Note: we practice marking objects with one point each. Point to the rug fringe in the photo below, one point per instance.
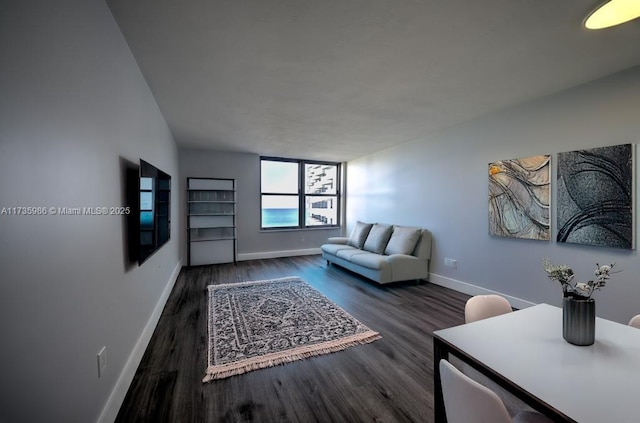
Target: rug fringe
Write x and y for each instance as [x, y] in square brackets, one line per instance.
[274, 359]
[252, 283]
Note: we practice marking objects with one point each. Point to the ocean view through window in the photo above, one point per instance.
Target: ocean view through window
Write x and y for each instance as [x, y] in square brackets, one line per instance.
[273, 218]
[299, 193]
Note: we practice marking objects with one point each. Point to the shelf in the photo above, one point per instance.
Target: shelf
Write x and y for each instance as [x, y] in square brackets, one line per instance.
[212, 239]
[223, 232]
[211, 226]
[211, 208]
[210, 201]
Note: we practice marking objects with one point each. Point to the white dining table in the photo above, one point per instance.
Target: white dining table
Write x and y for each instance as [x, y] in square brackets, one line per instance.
[525, 353]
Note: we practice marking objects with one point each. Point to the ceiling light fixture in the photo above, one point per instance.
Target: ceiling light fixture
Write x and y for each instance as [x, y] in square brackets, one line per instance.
[611, 13]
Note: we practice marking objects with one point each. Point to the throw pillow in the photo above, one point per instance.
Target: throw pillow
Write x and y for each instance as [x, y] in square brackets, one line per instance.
[378, 238]
[403, 240]
[359, 234]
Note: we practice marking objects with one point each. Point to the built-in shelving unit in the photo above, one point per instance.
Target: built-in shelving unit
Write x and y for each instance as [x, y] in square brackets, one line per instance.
[211, 221]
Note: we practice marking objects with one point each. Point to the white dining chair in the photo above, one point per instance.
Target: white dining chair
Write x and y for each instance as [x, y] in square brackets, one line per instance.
[484, 306]
[635, 321]
[467, 401]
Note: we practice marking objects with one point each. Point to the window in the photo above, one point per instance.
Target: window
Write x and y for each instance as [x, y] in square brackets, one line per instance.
[299, 193]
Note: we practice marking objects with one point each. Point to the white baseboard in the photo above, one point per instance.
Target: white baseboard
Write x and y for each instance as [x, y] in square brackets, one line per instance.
[469, 289]
[110, 411]
[278, 254]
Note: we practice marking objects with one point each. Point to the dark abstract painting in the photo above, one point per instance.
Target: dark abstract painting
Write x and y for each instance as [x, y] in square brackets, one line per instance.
[519, 197]
[596, 197]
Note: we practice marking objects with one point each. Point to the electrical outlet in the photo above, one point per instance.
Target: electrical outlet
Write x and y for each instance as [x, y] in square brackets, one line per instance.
[102, 361]
[451, 263]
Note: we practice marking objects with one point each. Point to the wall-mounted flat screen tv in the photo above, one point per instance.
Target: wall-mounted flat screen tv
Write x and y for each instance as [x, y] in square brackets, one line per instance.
[155, 206]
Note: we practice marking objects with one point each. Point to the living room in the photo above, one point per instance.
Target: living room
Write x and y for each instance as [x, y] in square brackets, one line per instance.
[76, 109]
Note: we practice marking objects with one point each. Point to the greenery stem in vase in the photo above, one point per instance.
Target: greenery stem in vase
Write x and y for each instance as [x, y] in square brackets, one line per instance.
[577, 290]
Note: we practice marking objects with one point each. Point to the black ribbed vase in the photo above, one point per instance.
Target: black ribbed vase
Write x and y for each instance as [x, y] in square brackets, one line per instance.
[579, 321]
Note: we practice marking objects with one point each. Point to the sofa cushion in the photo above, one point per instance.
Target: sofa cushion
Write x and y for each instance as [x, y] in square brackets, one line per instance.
[403, 240]
[370, 260]
[334, 248]
[348, 254]
[359, 234]
[378, 238]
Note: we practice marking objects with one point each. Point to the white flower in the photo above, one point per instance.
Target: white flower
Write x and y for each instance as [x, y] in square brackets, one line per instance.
[564, 274]
[603, 271]
[605, 268]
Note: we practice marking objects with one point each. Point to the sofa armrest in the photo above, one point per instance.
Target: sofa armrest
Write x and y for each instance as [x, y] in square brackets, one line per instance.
[338, 240]
[405, 267]
[398, 259]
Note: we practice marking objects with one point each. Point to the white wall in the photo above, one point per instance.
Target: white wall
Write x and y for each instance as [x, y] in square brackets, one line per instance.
[441, 183]
[252, 242]
[74, 109]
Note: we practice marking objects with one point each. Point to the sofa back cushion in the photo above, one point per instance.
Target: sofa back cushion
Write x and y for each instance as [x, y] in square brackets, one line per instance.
[403, 240]
[359, 234]
[378, 238]
[423, 247]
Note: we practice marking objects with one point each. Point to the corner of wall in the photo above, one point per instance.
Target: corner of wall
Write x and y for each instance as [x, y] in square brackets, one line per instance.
[469, 289]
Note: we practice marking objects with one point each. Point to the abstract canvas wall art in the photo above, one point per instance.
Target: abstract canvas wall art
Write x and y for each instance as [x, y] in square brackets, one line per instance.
[519, 197]
[595, 197]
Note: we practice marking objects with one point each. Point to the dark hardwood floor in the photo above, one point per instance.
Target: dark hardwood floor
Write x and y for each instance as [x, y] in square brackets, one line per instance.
[389, 380]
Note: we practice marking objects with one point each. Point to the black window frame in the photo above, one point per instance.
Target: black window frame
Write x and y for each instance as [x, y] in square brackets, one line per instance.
[301, 194]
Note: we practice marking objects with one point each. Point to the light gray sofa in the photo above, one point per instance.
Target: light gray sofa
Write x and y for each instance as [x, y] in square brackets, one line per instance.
[382, 253]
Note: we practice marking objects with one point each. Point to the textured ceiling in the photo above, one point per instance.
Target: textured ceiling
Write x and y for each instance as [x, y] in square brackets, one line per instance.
[339, 79]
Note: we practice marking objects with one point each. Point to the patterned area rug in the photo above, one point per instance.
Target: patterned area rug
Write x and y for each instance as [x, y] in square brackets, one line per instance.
[253, 325]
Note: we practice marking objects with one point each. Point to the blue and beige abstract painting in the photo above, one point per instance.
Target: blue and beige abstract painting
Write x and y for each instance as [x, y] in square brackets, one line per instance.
[595, 197]
[519, 197]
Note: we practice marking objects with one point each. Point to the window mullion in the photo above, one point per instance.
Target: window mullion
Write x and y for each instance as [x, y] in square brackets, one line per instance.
[301, 194]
